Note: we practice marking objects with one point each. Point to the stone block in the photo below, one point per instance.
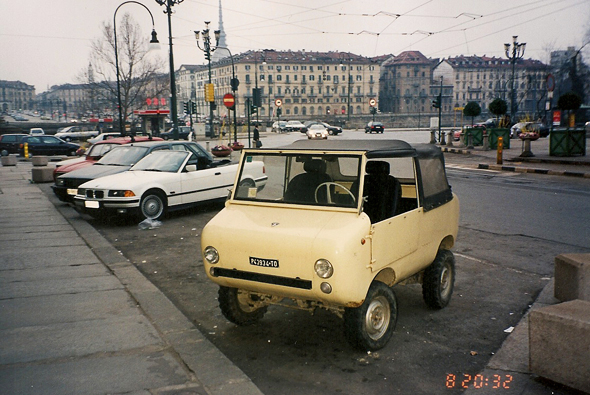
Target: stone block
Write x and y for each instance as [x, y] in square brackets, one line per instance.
[40, 160]
[9, 160]
[572, 277]
[42, 174]
[559, 343]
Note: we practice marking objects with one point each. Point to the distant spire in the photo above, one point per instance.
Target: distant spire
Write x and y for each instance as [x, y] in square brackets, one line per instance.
[221, 53]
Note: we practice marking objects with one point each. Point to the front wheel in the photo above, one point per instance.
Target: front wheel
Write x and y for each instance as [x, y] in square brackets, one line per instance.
[240, 307]
[439, 280]
[153, 205]
[370, 326]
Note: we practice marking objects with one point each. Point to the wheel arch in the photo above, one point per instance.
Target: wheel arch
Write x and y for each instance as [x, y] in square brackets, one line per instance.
[386, 276]
[447, 243]
[160, 191]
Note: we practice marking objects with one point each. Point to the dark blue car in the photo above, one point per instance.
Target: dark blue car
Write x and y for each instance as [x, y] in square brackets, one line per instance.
[47, 145]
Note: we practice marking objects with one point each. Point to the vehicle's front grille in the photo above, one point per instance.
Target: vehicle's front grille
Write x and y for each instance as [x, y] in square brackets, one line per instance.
[262, 278]
[91, 193]
[73, 182]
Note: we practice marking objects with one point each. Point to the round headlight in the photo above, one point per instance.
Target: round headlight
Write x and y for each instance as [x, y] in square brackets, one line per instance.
[323, 268]
[211, 255]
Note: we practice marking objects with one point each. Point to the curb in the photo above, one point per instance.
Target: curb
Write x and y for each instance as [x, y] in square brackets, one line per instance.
[534, 170]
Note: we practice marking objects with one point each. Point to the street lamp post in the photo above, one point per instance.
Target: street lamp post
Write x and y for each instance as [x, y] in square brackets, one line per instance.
[173, 110]
[514, 55]
[208, 50]
[234, 87]
[153, 42]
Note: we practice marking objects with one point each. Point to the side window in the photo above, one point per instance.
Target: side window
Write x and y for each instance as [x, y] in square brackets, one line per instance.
[33, 140]
[179, 147]
[161, 148]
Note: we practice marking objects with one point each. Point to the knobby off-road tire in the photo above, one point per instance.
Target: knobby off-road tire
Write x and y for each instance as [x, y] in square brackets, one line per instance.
[239, 306]
[153, 205]
[370, 326]
[439, 280]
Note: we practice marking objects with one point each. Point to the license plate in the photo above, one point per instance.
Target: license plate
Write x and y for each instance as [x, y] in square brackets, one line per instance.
[264, 262]
[72, 192]
[91, 204]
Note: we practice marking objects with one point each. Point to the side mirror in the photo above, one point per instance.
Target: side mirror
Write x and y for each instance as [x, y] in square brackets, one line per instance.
[190, 168]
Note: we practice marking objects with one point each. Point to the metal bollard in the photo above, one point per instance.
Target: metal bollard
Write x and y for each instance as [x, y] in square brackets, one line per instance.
[442, 138]
[499, 150]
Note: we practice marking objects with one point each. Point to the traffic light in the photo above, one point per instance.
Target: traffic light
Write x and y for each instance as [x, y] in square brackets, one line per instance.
[256, 97]
[186, 107]
[373, 110]
[234, 84]
[436, 102]
[193, 107]
[253, 109]
[279, 112]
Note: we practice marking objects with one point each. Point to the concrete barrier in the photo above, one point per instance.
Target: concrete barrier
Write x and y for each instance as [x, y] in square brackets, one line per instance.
[559, 343]
[9, 160]
[40, 160]
[42, 174]
[572, 277]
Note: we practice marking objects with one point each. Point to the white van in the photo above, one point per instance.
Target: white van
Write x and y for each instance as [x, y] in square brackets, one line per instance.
[34, 131]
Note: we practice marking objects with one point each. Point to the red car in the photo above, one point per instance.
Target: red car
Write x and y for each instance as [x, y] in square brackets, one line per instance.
[95, 152]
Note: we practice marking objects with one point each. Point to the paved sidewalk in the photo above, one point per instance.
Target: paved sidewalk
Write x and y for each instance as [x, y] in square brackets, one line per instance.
[76, 317]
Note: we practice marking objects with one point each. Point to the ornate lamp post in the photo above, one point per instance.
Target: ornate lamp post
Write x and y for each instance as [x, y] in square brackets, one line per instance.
[234, 87]
[208, 50]
[173, 110]
[514, 55]
[154, 43]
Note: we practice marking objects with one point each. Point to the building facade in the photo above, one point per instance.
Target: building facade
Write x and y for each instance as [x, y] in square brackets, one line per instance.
[16, 96]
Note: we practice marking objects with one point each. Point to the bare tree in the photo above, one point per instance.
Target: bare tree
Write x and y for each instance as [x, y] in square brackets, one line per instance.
[137, 69]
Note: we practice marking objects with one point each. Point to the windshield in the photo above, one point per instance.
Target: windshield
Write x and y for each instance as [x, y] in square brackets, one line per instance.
[123, 156]
[168, 161]
[308, 179]
[100, 149]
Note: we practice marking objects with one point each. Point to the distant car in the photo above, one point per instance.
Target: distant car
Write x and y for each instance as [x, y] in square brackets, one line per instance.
[36, 131]
[103, 136]
[317, 132]
[120, 159]
[9, 143]
[161, 181]
[183, 133]
[95, 152]
[75, 133]
[520, 127]
[47, 145]
[295, 126]
[376, 127]
[279, 126]
[332, 130]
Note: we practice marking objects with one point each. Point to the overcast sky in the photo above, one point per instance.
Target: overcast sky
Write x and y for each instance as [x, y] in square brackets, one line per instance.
[47, 42]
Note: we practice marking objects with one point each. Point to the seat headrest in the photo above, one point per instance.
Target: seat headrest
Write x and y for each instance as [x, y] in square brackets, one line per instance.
[377, 167]
[315, 166]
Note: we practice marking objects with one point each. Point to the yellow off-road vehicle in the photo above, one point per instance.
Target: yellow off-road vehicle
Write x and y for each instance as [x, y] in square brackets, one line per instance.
[338, 224]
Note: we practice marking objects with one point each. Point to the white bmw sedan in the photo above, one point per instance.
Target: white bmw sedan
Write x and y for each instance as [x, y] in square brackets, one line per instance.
[161, 181]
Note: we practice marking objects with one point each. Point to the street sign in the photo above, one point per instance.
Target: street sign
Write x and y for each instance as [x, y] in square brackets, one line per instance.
[372, 102]
[229, 100]
[278, 102]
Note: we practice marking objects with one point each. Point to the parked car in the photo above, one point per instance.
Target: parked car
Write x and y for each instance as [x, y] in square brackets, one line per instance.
[161, 181]
[332, 130]
[317, 131]
[103, 136]
[120, 159]
[376, 127]
[46, 145]
[95, 152]
[360, 216]
[70, 133]
[183, 133]
[9, 143]
[279, 126]
[294, 126]
[36, 131]
[520, 127]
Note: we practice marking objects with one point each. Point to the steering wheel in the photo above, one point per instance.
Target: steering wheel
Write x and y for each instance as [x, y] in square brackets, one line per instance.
[328, 194]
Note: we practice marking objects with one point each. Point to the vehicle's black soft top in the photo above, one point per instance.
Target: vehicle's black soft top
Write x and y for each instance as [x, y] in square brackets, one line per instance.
[373, 148]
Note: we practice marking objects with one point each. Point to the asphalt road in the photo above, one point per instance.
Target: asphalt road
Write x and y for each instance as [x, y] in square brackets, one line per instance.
[504, 259]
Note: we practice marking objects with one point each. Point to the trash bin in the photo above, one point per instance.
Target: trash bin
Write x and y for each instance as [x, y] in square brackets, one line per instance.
[499, 132]
[567, 142]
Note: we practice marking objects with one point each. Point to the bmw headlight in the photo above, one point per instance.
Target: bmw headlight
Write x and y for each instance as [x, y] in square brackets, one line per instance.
[211, 255]
[323, 268]
[121, 193]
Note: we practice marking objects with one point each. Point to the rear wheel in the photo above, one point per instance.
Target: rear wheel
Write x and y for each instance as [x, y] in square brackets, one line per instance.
[370, 326]
[153, 205]
[240, 307]
[439, 280]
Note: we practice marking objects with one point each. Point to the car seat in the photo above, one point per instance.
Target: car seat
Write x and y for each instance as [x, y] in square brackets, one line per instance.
[383, 191]
[302, 187]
